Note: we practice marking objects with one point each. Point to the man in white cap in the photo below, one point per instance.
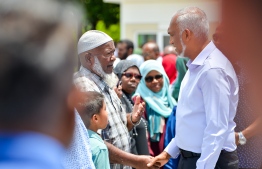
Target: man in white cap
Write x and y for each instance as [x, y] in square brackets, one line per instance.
[96, 53]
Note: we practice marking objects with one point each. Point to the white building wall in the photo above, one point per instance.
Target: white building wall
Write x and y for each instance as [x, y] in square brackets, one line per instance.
[159, 12]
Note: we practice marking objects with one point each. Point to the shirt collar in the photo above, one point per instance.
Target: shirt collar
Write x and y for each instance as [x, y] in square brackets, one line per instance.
[92, 134]
[202, 56]
[97, 79]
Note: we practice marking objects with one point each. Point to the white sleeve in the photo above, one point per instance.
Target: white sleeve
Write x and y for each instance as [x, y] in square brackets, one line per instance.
[172, 149]
[216, 93]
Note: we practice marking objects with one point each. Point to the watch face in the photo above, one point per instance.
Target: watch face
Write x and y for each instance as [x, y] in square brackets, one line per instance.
[242, 141]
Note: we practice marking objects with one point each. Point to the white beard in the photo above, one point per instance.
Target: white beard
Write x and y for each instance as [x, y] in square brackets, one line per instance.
[182, 54]
[110, 79]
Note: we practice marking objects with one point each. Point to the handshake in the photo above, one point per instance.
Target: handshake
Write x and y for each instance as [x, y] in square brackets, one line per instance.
[154, 162]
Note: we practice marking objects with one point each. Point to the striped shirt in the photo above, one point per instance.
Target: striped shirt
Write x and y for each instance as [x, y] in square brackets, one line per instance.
[116, 132]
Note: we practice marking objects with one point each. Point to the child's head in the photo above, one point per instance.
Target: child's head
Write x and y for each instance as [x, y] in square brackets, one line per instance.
[92, 110]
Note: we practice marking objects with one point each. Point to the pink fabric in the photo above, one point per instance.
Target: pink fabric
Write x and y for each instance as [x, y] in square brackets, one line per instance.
[157, 147]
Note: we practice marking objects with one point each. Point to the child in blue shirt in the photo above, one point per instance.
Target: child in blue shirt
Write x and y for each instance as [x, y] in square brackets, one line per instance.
[92, 110]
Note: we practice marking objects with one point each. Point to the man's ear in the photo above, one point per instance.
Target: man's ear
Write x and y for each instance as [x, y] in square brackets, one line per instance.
[186, 35]
[130, 51]
[156, 55]
[88, 58]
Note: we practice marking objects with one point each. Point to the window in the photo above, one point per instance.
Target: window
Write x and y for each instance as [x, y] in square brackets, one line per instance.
[165, 41]
[143, 38]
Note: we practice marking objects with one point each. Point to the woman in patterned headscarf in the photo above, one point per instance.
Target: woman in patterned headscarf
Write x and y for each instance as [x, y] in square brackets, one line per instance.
[153, 88]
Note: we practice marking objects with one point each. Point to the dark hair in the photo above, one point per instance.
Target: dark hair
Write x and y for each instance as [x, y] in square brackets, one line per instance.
[129, 44]
[91, 104]
[35, 72]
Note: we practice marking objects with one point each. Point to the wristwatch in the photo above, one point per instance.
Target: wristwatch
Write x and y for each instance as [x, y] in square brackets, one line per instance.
[242, 139]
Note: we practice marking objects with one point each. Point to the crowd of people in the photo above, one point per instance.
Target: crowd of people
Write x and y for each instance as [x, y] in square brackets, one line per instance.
[184, 108]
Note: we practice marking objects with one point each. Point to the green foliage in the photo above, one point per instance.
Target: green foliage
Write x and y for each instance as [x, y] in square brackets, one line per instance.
[113, 30]
[101, 16]
[97, 10]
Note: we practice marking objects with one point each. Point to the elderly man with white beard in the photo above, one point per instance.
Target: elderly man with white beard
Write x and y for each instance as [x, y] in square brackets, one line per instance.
[96, 54]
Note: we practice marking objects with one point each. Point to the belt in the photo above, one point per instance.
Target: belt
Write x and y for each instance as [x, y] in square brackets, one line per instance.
[189, 154]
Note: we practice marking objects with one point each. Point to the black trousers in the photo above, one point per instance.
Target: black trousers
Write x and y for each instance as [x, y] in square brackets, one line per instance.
[226, 160]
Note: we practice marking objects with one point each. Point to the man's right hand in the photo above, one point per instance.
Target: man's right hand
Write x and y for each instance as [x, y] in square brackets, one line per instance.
[161, 159]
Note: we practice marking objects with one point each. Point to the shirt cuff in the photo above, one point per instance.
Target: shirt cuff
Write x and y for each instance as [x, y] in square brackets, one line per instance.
[172, 149]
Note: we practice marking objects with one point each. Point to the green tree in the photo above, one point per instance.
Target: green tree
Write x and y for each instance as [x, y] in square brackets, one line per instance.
[97, 10]
[101, 16]
[113, 30]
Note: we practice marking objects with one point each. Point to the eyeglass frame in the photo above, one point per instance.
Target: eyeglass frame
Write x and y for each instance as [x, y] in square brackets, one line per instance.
[131, 75]
[109, 55]
[150, 79]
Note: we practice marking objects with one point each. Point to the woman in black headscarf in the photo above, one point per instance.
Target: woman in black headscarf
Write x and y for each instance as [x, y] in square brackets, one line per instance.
[129, 76]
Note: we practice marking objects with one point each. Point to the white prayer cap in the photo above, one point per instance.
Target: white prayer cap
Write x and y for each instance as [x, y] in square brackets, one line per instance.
[92, 39]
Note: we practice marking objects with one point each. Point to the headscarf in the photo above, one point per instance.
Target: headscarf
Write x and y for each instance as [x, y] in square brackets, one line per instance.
[158, 104]
[120, 68]
[181, 69]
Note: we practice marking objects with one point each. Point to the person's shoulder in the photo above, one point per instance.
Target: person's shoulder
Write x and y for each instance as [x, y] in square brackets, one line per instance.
[84, 81]
[169, 59]
[81, 74]
[217, 60]
[97, 146]
[96, 141]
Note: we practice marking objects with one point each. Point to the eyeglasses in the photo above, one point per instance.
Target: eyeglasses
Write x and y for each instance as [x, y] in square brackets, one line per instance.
[131, 75]
[107, 55]
[150, 79]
